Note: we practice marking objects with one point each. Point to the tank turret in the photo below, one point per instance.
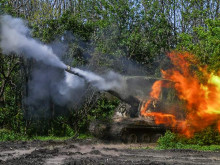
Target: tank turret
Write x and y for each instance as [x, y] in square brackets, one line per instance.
[133, 101]
[127, 125]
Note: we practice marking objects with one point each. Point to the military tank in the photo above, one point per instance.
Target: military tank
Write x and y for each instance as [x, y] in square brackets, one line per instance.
[127, 125]
[128, 129]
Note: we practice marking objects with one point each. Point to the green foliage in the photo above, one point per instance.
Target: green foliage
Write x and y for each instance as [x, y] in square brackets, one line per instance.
[169, 141]
[84, 136]
[208, 139]
[11, 119]
[204, 42]
[57, 127]
[104, 109]
[8, 135]
[46, 138]
[49, 29]
[173, 141]
[61, 128]
[6, 7]
[202, 148]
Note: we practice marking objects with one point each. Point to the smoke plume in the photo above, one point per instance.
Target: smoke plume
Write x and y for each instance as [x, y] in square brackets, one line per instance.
[109, 81]
[47, 82]
[15, 39]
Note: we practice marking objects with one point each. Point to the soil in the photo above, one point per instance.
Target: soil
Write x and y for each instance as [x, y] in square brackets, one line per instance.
[74, 152]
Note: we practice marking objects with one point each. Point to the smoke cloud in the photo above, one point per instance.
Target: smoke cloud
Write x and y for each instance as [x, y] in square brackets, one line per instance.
[49, 84]
[52, 82]
[109, 81]
[15, 39]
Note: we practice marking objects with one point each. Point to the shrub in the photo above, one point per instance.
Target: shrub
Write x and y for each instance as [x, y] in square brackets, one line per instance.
[206, 137]
[7, 135]
[169, 141]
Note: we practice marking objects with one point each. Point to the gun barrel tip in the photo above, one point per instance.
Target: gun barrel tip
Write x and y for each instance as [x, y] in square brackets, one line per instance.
[68, 67]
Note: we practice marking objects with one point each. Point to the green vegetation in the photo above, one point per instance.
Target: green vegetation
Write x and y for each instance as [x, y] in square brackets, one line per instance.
[207, 47]
[206, 140]
[7, 135]
[104, 34]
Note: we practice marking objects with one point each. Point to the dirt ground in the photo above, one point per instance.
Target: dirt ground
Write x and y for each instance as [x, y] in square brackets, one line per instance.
[74, 152]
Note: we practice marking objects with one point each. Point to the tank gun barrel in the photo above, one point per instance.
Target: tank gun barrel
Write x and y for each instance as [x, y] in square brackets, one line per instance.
[133, 101]
[70, 70]
[114, 93]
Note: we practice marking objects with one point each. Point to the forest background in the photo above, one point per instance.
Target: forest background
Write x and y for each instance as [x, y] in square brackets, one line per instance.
[111, 34]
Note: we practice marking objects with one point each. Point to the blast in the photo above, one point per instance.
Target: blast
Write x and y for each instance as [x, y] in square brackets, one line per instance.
[202, 98]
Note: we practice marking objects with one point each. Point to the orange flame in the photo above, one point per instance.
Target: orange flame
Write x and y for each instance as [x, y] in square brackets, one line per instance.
[161, 118]
[218, 126]
[202, 99]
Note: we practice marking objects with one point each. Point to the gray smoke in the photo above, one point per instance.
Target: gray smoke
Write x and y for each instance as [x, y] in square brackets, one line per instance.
[110, 80]
[15, 39]
[48, 83]
[52, 84]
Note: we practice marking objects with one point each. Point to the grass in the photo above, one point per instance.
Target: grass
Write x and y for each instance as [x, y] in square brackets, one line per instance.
[7, 135]
[201, 148]
[85, 136]
[184, 146]
[46, 138]
[194, 147]
[144, 148]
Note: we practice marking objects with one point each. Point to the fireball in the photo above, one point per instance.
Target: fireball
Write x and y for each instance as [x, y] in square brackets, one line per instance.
[201, 98]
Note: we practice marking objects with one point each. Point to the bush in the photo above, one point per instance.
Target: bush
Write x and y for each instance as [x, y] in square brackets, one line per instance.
[208, 136]
[7, 135]
[169, 141]
[208, 139]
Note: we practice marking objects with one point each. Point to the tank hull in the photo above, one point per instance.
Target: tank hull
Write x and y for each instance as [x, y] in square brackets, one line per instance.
[128, 130]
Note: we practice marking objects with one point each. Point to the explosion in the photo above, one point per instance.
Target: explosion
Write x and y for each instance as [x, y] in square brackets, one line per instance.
[198, 89]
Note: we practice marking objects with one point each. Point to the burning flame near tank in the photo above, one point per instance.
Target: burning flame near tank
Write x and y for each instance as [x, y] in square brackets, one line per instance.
[200, 91]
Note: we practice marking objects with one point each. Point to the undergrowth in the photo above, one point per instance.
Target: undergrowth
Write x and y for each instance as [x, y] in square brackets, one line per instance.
[7, 135]
[206, 140]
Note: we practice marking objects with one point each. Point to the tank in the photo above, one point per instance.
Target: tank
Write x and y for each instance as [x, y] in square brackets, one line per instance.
[127, 129]
[127, 125]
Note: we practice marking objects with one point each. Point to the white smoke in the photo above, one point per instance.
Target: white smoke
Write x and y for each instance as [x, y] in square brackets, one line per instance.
[45, 84]
[15, 39]
[109, 81]
[70, 82]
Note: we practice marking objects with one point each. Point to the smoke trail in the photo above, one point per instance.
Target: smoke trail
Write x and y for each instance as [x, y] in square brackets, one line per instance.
[15, 39]
[109, 81]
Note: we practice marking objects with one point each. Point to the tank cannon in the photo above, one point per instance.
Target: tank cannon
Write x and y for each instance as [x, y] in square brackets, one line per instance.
[131, 100]
[127, 125]
[72, 71]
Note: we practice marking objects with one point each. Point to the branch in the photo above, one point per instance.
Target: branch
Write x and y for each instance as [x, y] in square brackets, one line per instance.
[12, 84]
[21, 5]
[10, 71]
